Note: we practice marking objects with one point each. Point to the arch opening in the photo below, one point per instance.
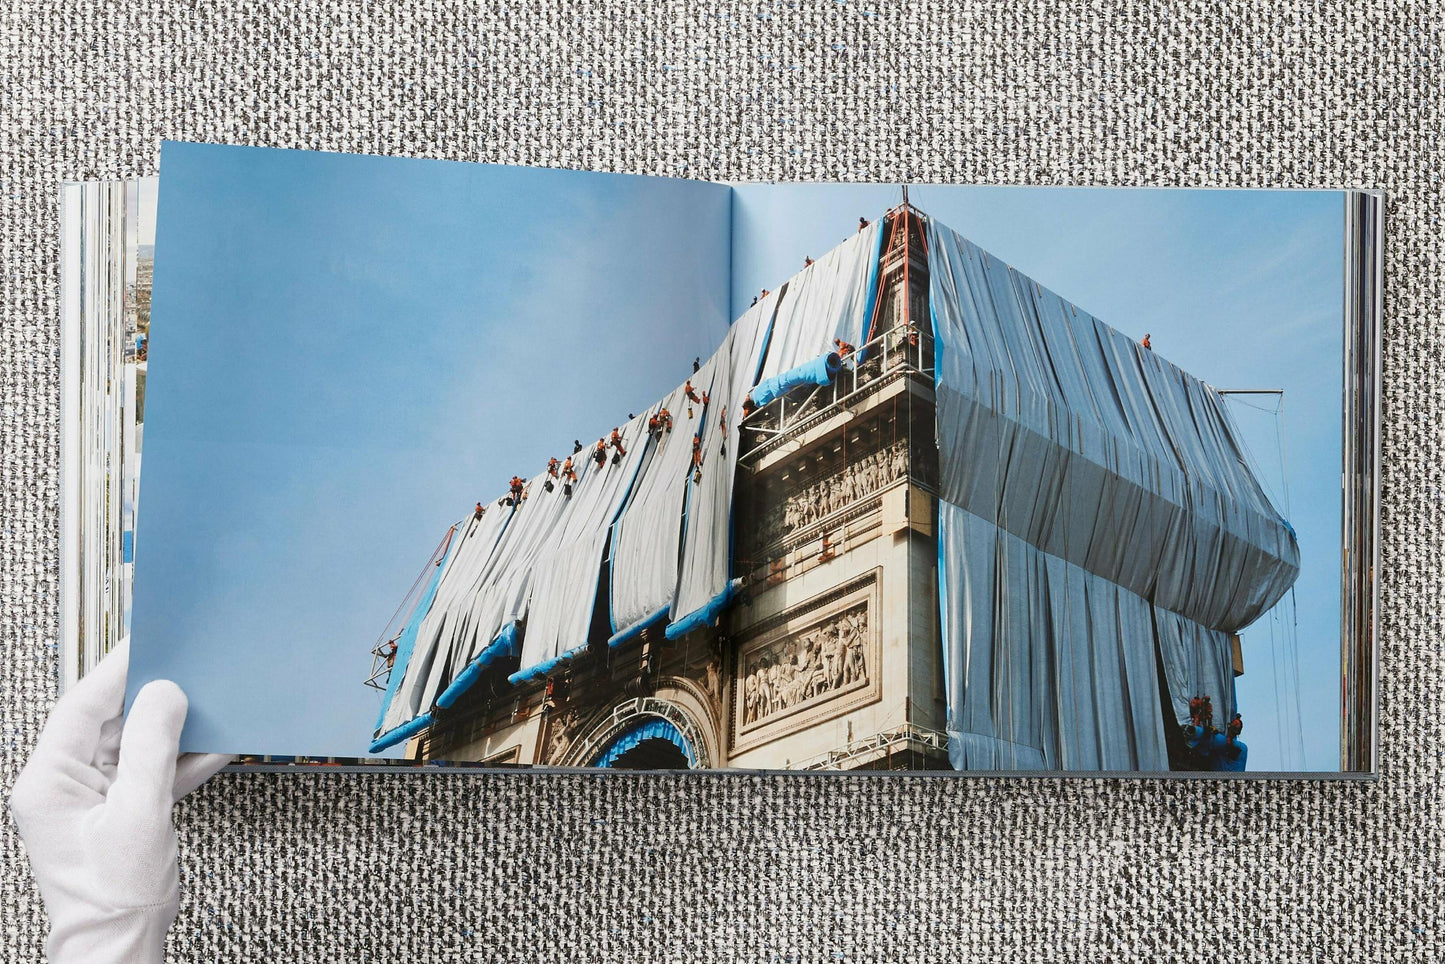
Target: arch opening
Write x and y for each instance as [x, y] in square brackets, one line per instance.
[652, 743]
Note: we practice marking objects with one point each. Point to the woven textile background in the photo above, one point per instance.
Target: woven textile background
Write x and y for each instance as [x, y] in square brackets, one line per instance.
[550, 868]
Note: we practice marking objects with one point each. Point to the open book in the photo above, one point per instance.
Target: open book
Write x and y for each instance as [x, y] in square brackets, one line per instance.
[473, 464]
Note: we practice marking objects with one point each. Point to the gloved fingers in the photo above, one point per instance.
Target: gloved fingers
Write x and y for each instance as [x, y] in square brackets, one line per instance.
[146, 771]
[107, 748]
[194, 769]
[77, 723]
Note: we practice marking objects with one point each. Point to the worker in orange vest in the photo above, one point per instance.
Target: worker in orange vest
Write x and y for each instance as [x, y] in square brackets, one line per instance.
[599, 454]
[1146, 343]
[569, 476]
[552, 464]
[617, 444]
[844, 348]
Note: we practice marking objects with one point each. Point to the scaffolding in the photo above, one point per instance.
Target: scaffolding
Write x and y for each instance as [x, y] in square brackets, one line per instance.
[384, 650]
[907, 738]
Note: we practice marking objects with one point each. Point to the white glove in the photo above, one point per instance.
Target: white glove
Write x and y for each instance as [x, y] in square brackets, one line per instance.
[94, 807]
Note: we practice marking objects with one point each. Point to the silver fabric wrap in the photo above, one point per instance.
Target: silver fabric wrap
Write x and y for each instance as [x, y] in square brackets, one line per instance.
[437, 634]
[826, 300]
[1085, 475]
[706, 566]
[1196, 660]
[559, 610]
[1052, 666]
[647, 539]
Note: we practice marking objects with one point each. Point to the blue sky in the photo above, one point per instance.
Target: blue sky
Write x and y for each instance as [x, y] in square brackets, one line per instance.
[473, 320]
[1242, 288]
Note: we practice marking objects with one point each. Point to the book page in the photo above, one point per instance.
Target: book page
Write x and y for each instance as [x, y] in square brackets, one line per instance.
[356, 351]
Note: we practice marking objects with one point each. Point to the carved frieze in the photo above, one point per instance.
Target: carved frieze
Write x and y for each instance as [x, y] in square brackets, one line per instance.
[806, 668]
[814, 665]
[858, 480]
[560, 735]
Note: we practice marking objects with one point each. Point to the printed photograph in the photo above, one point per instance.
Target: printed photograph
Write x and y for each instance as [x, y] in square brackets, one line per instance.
[465, 465]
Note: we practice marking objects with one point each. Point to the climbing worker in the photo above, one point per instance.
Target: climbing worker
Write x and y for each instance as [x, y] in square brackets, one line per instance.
[755, 302]
[844, 348]
[576, 446]
[516, 488]
[569, 476]
[696, 457]
[690, 391]
[696, 364]
[664, 419]
[807, 261]
[552, 464]
[599, 454]
[705, 398]
[480, 509]
[390, 653]
[827, 552]
[722, 421]
[1146, 343]
[1235, 727]
[617, 444]
[766, 292]
[862, 223]
[654, 427]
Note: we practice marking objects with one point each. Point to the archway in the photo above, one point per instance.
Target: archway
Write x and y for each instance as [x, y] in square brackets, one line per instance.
[651, 743]
[671, 717]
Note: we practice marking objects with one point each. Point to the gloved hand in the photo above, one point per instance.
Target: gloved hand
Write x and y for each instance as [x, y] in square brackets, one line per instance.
[94, 808]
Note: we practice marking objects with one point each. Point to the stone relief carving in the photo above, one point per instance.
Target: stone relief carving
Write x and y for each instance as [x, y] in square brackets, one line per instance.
[826, 496]
[561, 737]
[811, 666]
[714, 681]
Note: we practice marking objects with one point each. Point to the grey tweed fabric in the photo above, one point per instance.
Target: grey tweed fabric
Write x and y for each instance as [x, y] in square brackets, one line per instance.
[513, 867]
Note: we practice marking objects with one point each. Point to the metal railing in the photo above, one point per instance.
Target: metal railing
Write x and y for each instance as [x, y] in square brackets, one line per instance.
[909, 737]
[903, 350]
